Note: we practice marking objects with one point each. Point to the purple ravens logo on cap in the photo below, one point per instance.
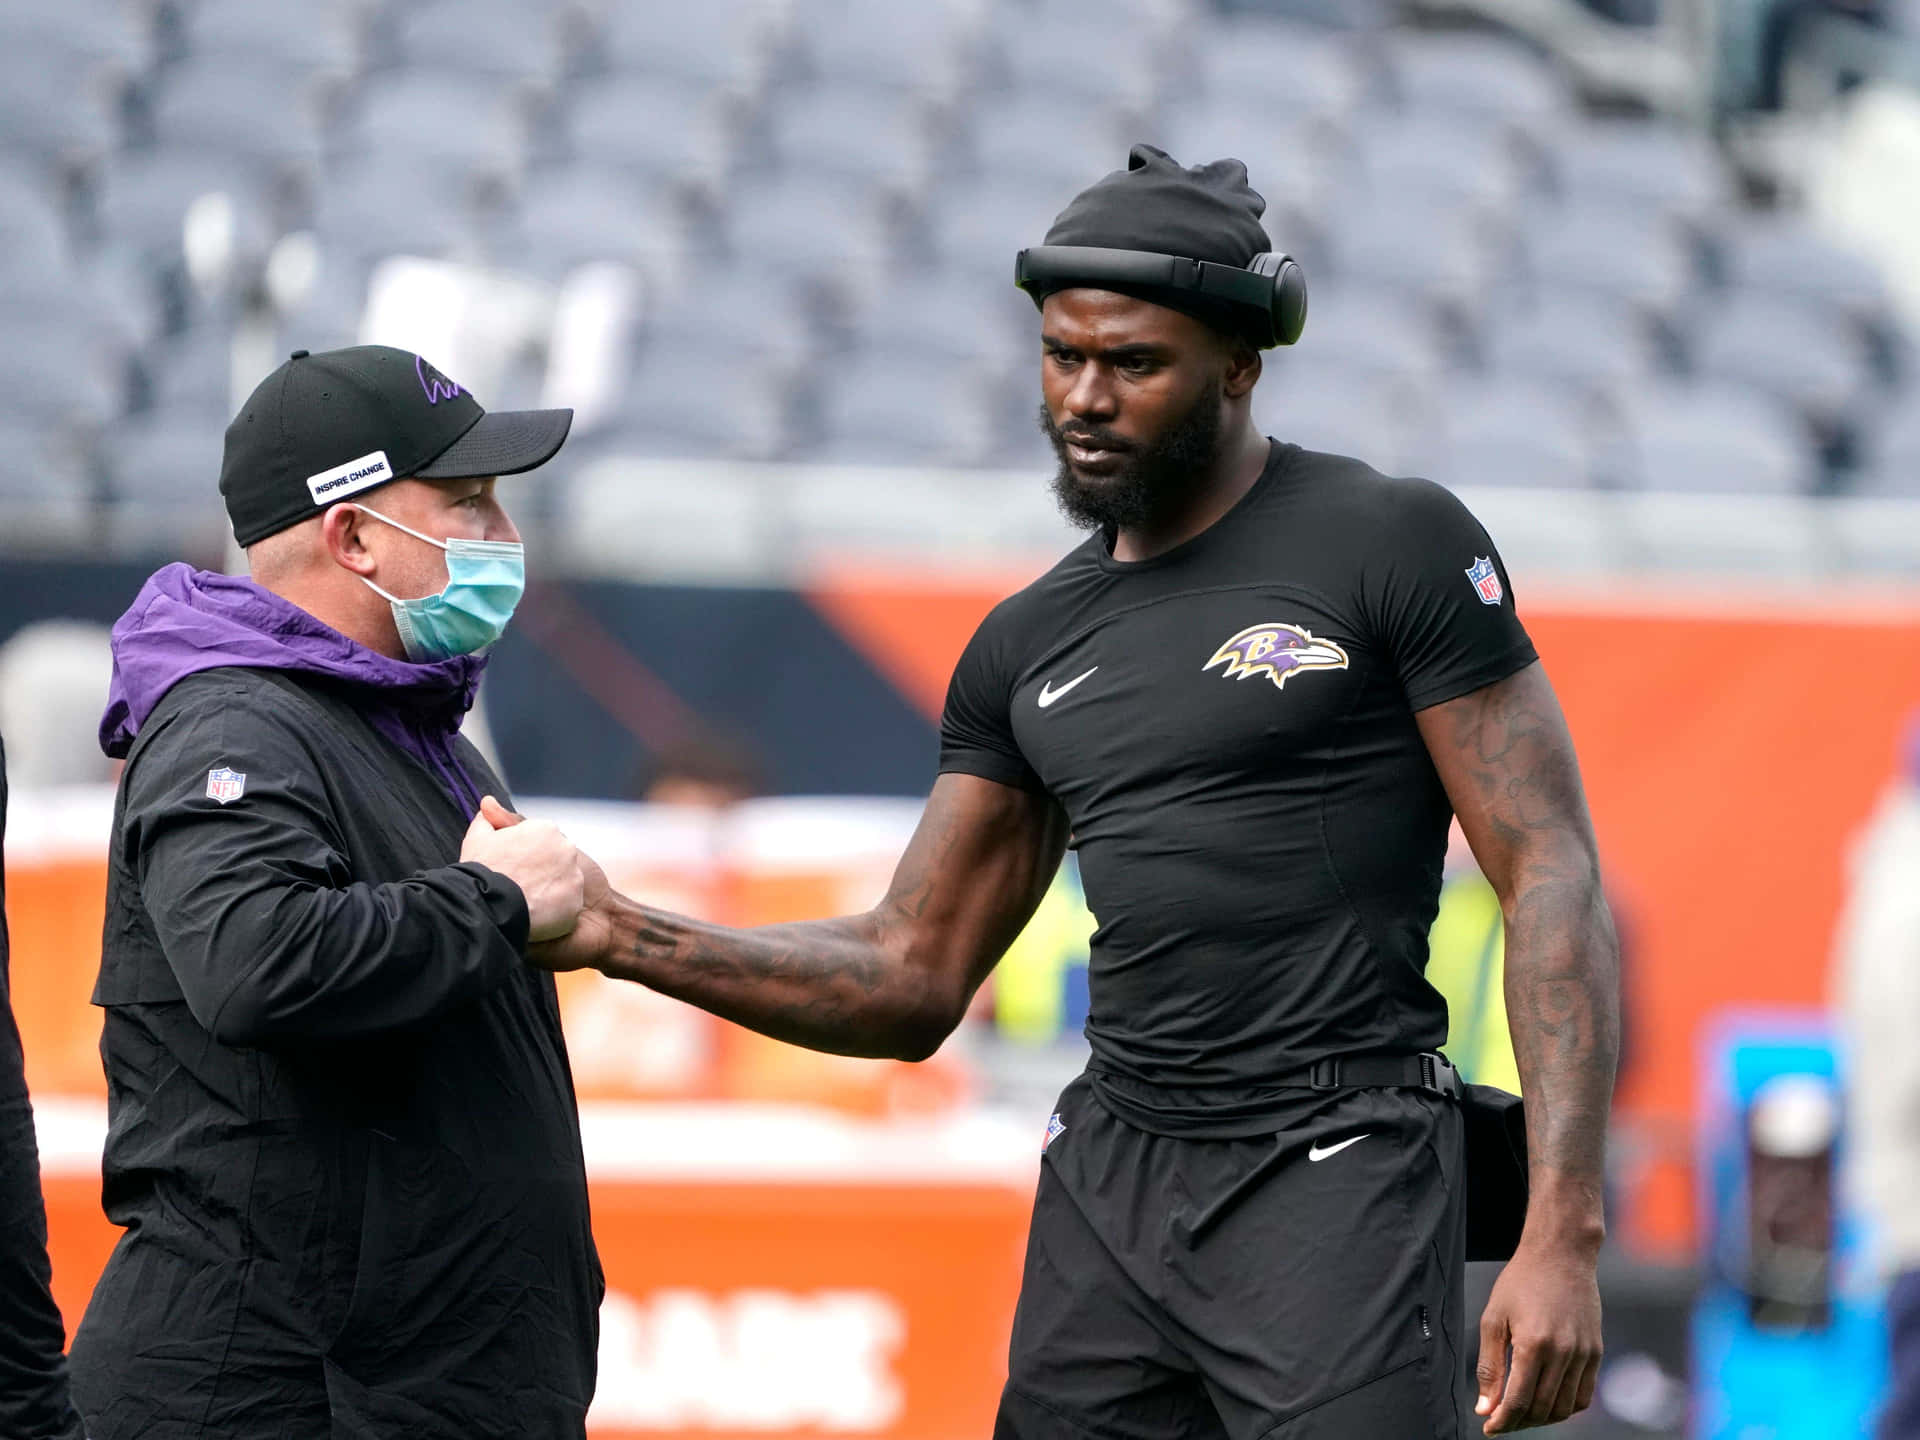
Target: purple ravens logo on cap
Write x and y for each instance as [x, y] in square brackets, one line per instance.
[437, 386]
[1276, 650]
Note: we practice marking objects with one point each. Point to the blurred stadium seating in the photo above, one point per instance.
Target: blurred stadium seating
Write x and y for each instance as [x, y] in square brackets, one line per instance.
[818, 202]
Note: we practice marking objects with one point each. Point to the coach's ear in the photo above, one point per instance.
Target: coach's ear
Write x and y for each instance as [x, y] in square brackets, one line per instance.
[496, 814]
[340, 533]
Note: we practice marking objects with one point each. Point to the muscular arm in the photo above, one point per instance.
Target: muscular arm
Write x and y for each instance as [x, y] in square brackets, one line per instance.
[1505, 756]
[1506, 759]
[891, 982]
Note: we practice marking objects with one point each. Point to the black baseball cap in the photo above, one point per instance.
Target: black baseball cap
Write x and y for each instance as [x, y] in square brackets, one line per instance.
[342, 422]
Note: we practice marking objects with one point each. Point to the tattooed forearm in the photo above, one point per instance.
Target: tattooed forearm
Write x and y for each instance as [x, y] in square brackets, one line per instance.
[891, 982]
[1507, 760]
[826, 984]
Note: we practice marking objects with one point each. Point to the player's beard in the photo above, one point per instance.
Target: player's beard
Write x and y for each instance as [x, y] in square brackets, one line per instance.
[1150, 483]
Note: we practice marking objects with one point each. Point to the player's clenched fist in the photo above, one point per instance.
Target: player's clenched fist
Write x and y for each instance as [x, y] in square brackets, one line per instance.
[537, 857]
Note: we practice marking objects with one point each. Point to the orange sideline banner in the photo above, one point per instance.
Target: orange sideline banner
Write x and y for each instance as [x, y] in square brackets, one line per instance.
[782, 1272]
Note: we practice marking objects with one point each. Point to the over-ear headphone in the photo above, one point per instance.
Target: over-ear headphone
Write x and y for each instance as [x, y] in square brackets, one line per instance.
[1273, 287]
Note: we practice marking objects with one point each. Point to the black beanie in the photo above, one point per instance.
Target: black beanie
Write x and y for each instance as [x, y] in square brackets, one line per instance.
[1208, 212]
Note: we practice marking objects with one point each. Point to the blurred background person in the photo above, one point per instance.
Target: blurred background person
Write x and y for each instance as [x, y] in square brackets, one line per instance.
[711, 773]
[1878, 991]
[34, 1403]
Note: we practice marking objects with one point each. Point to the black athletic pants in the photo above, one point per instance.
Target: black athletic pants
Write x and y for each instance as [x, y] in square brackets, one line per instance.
[1300, 1285]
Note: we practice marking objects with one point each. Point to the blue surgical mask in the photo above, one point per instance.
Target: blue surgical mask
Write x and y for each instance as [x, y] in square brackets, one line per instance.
[485, 579]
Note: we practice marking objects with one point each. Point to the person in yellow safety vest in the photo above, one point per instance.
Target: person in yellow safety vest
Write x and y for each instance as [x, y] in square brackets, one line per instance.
[1031, 987]
[1466, 963]
[1032, 995]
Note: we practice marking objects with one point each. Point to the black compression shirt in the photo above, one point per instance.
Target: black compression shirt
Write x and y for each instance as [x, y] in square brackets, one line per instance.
[1230, 729]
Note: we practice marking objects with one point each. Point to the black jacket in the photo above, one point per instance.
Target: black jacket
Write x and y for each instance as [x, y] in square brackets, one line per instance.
[33, 1362]
[343, 1139]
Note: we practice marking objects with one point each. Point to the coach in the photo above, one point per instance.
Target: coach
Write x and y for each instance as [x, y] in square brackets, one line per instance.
[343, 1144]
[1252, 698]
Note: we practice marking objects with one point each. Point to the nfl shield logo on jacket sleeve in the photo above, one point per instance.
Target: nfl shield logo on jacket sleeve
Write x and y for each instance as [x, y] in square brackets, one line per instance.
[1486, 581]
[226, 786]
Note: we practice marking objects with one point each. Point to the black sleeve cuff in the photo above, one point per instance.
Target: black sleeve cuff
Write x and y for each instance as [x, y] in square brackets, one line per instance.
[990, 765]
[505, 902]
[1492, 672]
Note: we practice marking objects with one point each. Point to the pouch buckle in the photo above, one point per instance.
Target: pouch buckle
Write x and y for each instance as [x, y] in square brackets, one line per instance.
[1324, 1075]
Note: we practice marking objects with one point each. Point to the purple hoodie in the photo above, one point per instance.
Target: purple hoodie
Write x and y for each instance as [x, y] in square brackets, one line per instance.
[186, 620]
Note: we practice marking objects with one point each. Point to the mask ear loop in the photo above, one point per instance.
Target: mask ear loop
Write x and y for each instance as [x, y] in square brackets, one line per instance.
[369, 510]
[388, 595]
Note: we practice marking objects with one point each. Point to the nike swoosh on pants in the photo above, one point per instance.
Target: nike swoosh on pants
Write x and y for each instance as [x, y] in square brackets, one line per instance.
[1317, 1153]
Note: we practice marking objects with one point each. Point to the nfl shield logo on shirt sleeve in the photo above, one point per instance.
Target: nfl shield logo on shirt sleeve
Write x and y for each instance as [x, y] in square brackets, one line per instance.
[1486, 582]
[226, 786]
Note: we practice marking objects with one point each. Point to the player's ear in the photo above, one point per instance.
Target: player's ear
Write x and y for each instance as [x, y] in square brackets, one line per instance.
[343, 533]
[1243, 366]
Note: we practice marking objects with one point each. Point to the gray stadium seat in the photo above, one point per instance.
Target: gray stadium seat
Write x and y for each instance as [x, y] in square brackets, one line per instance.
[1359, 16]
[45, 497]
[322, 40]
[709, 403]
[1572, 337]
[1286, 153]
[1115, 63]
[1787, 257]
[803, 227]
[64, 381]
[81, 305]
[747, 311]
[1887, 481]
[192, 379]
[374, 207]
[1513, 432]
[877, 410]
[1369, 417]
[942, 315]
[930, 49]
[1478, 75]
[1355, 329]
[1605, 162]
[503, 42]
[977, 227]
[1792, 350]
[1083, 142]
[168, 461]
[1240, 66]
[52, 114]
[261, 115]
[667, 127]
[164, 489]
[1718, 438]
[1891, 449]
[33, 238]
[573, 216]
[1414, 246]
[1627, 254]
[725, 43]
[72, 38]
[877, 136]
[144, 198]
[1457, 159]
[436, 117]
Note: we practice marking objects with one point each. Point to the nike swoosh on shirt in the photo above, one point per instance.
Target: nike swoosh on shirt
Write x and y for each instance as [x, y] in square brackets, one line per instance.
[1317, 1153]
[1048, 694]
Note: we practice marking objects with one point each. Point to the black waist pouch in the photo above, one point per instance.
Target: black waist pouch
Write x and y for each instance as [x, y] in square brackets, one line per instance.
[1496, 1129]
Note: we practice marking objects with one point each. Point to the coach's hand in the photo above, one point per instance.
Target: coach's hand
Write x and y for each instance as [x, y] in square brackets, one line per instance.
[583, 945]
[536, 857]
[1546, 1308]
